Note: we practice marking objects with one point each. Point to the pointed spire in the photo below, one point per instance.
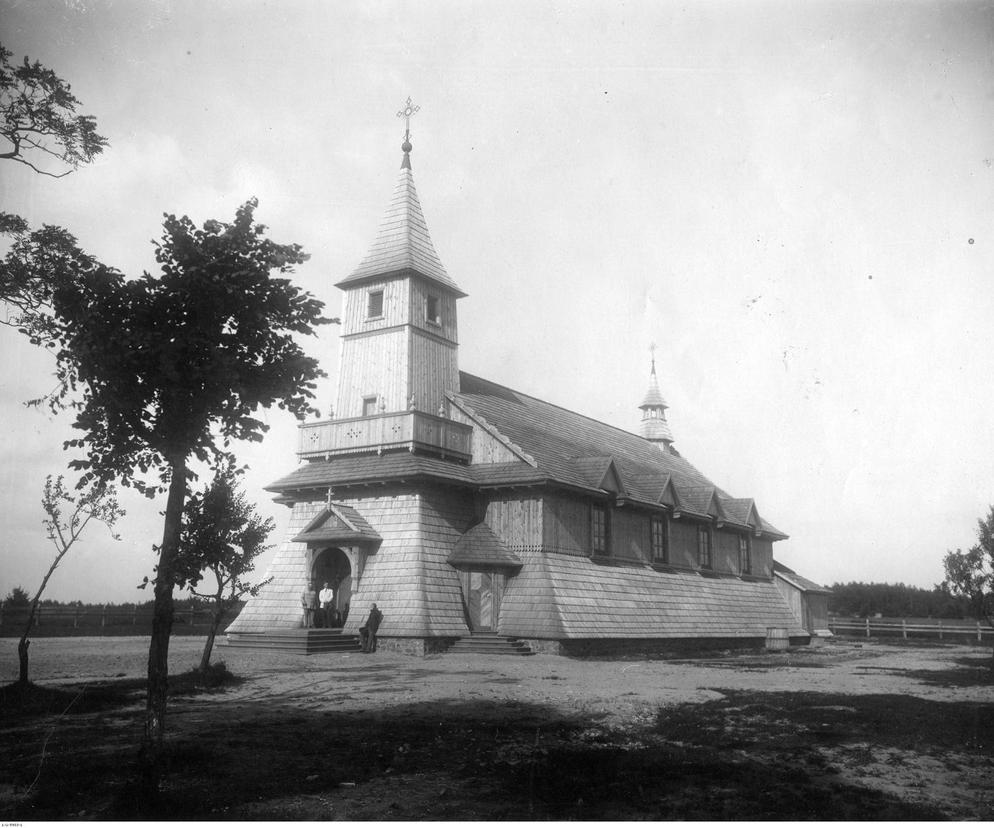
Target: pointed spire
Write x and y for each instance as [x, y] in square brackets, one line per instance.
[402, 242]
[654, 427]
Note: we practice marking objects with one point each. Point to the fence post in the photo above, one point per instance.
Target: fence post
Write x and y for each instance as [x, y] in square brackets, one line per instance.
[940, 629]
[75, 616]
[38, 617]
[134, 616]
[103, 616]
[904, 627]
[868, 626]
[978, 633]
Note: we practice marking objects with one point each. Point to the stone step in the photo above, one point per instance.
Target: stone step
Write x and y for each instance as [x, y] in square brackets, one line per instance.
[490, 644]
[305, 642]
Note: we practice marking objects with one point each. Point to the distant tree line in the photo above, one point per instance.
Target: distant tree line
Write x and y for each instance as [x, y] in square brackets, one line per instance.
[896, 601]
[18, 598]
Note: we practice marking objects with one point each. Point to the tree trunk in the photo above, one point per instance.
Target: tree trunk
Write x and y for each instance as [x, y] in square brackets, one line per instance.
[205, 659]
[158, 651]
[22, 658]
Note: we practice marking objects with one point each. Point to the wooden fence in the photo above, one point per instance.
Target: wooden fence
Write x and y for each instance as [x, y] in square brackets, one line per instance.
[103, 620]
[951, 630]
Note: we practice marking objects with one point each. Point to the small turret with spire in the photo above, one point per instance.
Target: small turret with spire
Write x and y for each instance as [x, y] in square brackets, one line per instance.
[654, 427]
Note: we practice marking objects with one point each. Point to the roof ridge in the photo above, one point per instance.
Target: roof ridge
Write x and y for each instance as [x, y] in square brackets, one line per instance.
[552, 405]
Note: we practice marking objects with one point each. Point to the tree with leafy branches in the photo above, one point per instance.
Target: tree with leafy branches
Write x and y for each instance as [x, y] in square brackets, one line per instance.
[970, 574]
[39, 122]
[18, 597]
[164, 370]
[222, 537]
[66, 516]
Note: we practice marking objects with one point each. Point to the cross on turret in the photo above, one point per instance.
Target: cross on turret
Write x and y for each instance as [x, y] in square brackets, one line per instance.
[406, 113]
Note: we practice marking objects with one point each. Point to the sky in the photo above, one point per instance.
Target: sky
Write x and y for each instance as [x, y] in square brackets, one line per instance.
[794, 202]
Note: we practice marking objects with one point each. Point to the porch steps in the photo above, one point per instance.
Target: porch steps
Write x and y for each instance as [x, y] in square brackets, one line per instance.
[490, 643]
[303, 641]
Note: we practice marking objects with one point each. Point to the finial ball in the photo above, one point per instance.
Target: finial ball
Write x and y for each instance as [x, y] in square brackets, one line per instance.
[406, 146]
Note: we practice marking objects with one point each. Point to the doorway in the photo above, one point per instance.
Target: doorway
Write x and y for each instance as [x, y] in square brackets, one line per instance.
[331, 566]
[481, 593]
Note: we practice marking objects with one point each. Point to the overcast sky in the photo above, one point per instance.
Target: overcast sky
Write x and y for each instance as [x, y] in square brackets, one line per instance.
[792, 200]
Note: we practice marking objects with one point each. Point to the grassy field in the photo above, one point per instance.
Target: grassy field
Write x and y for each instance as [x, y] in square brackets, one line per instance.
[846, 731]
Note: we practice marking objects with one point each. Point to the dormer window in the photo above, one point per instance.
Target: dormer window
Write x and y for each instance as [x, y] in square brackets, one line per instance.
[374, 310]
[745, 555]
[660, 540]
[704, 547]
[432, 314]
[599, 530]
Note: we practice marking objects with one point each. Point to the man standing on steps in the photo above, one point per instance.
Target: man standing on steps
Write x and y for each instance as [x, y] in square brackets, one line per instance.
[327, 597]
[308, 601]
[367, 633]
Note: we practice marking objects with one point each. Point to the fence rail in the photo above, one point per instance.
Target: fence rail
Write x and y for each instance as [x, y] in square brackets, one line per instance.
[889, 628]
[103, 620]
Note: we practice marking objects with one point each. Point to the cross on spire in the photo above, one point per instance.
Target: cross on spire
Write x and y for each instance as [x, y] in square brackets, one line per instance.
[406, 113]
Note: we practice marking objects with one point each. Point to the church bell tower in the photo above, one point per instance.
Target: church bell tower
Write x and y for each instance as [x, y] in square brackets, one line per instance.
[399, 332]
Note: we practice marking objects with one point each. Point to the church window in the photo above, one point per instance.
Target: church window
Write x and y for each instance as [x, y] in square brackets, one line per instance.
[368, 406]
[704, 547]
[660, 540]
[431, 310]
[375, 308]
[598, 530]
[745, 555]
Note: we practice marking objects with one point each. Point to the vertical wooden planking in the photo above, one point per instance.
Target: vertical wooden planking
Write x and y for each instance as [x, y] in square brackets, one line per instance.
[630, 535]
[683, 543]
[567, 525]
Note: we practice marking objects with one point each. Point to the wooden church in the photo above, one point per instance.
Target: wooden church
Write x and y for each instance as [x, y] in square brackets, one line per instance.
[461, 506]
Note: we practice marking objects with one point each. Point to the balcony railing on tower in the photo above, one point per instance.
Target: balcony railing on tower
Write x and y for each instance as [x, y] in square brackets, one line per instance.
[411, 430]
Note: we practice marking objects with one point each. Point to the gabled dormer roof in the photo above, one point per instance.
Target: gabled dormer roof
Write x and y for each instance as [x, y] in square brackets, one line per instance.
[701, 500]
[479, 546]
[337, 523]
[600, 472]
[403, 245]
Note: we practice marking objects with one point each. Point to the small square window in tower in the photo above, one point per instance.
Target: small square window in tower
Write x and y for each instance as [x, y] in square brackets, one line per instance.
[368, 406]
[375, 308]
[431, 310]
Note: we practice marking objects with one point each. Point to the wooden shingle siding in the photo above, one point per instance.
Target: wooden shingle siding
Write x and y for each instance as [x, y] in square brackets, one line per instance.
[384, 357]
[517, 521]
[444, 518]
[560, 596]
[408, 577]
[278, 603]
[566, 525]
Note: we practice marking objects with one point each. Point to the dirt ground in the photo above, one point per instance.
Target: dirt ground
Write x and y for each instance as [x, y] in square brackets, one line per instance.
[850, 730]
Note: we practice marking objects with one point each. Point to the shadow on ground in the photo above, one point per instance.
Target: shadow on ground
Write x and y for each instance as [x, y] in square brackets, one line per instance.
[747, 756]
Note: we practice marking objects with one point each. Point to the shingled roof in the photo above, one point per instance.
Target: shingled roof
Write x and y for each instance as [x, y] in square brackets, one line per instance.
[402, 243]
[561, 447]
[568, 448]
